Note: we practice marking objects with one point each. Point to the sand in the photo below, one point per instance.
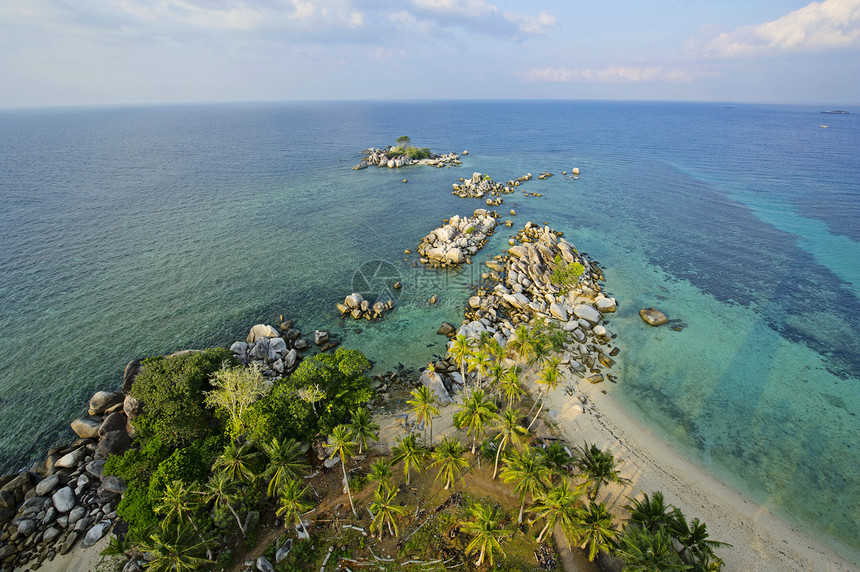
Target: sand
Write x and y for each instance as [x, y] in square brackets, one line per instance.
[78, 559]
[760, 541]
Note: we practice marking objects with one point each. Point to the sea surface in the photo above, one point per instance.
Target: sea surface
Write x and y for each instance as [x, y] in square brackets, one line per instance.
[129, 232]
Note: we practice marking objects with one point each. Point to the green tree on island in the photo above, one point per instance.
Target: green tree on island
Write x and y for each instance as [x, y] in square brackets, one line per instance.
[598, 468]
[557, 506]
[644, 550]
[363, 427]
[449, 457]
[528, 470]
[403, 141]
[179, 505]
[220, 490]
[343, 446]
[423, 404]
[285, 462]
[475, 413]
[384, 509]
[381, 473]
[291, 503]
[650, 513]
[238, 461]
[460, 351]
[235, 390]
[485, 525]
[410, 453]
[510, 431]
[173, 551]
[594, 530]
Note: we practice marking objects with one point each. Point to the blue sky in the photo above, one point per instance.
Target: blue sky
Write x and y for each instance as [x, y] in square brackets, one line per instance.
[91, 52]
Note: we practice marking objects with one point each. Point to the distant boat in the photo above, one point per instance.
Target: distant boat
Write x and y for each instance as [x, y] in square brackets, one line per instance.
[836, 112]
[824, 126]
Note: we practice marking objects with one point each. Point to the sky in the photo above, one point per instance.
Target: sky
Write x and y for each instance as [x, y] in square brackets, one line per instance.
[97, 52]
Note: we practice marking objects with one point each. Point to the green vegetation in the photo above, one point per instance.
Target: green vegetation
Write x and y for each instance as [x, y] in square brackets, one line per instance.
[564, 275]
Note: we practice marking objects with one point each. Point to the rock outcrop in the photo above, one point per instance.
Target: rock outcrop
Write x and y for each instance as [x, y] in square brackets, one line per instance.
[392, 159]
[357, 307]
[456, 241]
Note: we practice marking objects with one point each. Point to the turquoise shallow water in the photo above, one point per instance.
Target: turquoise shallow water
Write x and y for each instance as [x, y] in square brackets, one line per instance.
[130, 232]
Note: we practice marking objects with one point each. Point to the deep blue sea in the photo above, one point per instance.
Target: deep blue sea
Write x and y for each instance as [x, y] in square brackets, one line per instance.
[129, 232]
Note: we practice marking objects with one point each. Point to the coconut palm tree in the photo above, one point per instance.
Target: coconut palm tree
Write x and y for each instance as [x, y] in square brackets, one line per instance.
[485, 525]
[651, 513]
[556, 458]
[510, 431]
[343, 446]
[238, 461]
[696, 547]
[285, 462]
[460, 350]
[220, 490]
[645, 550]
[527, 470]
[598, 468]
[542, 351]
[178, 504]
[381, 473]
[449, 457]
[593, 529]
[411, 453]
[291, 503]
[556, 506]
[480, 363]
[475, 413]
[549, 378]
[423, 404]
[521, 344]
[173, 551]
[363, 427]
[511, 385]
[384, 509]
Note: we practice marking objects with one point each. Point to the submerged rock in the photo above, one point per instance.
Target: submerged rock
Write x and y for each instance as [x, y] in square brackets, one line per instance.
[653, 316]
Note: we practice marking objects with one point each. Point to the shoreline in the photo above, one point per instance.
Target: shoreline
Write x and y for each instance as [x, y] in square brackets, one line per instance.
[760, 540]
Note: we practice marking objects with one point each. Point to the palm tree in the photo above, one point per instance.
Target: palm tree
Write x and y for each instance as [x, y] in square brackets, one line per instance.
[381, 472]
[510, 431]
[423, 404]
[598, 467]
[285, 461]
[521, 344]
[460, 350]
[173, 552]
[291, 504]
[594, 529]
[487, 529]
[220, 489]
[692, 537]
[475, 413]
[449, 457]
[527, 469]
[384, 509]
[644, 550]
[541, 351]
[511, 385]
[549, 377]
[410, 452]
[556, 506]
[650, 513]
[479, 362]
[238, 461]
[363, 427]
[343, 446]
[178, 504]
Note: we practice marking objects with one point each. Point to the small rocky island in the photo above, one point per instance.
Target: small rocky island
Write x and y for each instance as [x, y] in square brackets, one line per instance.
[455, 242]
[404, 154]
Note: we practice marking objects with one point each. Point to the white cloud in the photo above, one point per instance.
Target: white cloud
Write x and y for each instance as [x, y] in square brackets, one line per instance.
[613, 74]
[534, 25]
[817, 26]
[467, 8]
[482, 17]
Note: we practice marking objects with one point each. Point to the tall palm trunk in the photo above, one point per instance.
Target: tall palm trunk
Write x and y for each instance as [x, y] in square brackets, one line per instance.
[346, 485]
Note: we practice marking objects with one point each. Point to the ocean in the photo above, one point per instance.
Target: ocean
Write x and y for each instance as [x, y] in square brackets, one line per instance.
[127, 232]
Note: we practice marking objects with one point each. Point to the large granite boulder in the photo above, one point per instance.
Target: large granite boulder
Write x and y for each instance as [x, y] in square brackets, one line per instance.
[653, 317]
[70, 460]
[104, 400]
[587, 312]
[114, 422]
[113, 443]
[261, 331]
[433, 381]
[132, 407]
[87, 427]
[132, 368]
[64, 500]
[95, 534]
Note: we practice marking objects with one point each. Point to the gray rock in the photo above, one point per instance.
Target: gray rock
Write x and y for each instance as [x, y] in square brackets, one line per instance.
[71, 539]
[239, 348]
[433, 381]
[331, 462]
[64, 499]
[558, 311]
[320, 337]
[26, 526]
[300, 344]
[87, 426]
[96, 468]
[290, 359]
[114, 484]
[263, 564]
[114, 422]
[653, 316]
[48, 484]
[51, 534]
[83, 524]
[455, 256]
[284, 551]
[278, 366]
[132, 407]
[278, 345]
[7, 550]
[104, 400]
[113, 443]
[7, 500]
[71, 460]
[76, 514]
[605, 305]
[132, 368]
[587, 312]
[95, 534]
[50, 516]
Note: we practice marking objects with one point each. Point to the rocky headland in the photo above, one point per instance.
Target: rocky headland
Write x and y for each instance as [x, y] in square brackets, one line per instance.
[456, 241]
[480, 185]
[396, 157]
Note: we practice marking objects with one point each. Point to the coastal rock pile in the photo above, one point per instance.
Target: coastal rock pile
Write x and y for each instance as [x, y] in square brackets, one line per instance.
[480, 185]
[386, 158]
[454, 243]
[522, 285]
[356, 306]
[278, 353]
[65, 498]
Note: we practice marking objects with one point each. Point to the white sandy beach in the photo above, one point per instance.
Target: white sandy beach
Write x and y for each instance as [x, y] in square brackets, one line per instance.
[760, 541]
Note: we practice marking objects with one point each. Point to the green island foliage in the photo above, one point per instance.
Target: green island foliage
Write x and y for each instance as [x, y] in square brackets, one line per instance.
[565, 275]
[412, 152]
[171, 390]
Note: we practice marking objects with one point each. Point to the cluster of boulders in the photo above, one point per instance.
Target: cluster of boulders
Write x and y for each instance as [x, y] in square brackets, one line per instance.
[480, 185]
[278, 353]
[386, 158]
[455, 242]
[519, 288]
[356, 306]
[65, 498]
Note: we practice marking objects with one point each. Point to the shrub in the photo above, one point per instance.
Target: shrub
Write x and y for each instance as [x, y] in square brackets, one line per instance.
[171, 389]
[565, 275]
[189, 465]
